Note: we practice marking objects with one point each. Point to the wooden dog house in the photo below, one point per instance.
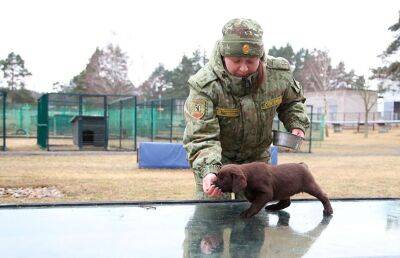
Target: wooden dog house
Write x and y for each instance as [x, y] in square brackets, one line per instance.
[89, 131]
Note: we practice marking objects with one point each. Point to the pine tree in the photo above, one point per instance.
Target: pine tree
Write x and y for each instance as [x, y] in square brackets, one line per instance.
[177, 79]
[340, 78]
[299, 59]
[14, 71]
[285, 52]
[389, 74]
[296, 60]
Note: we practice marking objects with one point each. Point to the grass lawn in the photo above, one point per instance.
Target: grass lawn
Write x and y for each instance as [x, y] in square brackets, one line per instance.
[345, 164]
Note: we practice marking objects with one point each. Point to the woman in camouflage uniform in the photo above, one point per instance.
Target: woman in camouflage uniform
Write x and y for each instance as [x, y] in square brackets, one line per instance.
[232, 102]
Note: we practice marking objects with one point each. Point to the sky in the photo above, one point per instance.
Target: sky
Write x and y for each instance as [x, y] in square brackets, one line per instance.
[57, 38]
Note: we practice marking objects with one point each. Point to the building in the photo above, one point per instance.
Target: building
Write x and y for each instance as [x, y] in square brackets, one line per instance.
[389, 105]
[344, 105]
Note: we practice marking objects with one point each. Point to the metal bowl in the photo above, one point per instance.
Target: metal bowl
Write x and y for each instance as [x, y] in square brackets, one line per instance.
[287, 140]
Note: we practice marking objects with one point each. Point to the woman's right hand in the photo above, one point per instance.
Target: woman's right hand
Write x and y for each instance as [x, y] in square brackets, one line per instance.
[208, 186]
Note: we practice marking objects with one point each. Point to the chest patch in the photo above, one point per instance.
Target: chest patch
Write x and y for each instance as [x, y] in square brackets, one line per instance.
[228, 112]
[271, 103]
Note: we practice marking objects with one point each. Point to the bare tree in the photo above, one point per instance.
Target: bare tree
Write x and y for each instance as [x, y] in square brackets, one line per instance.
[106, 73]
[316, 75]
[369, 98]
[154, 86]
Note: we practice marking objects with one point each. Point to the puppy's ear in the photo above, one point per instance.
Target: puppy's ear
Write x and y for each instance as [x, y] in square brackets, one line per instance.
[239, 181]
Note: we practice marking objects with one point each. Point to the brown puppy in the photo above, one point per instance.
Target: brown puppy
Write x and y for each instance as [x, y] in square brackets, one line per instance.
[263, 183]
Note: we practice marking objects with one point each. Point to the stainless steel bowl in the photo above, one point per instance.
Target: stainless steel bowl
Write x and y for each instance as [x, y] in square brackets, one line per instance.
[287, 140]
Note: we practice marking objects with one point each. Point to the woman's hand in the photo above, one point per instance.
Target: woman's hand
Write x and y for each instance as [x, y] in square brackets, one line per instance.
[208, 186]
[298, 132]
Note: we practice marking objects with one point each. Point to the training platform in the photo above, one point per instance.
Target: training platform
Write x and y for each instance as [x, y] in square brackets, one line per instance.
[358, 228]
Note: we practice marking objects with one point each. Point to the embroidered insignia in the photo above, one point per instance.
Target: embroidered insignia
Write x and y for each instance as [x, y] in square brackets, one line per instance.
[228, 112]
[271, 103]
[245, 49]
[198, 108]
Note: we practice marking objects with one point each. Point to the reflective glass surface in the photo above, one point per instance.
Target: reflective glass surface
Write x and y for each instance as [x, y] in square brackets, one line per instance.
[357, 229]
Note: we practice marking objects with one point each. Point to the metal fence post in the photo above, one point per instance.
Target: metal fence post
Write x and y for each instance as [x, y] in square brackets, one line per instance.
[80, 140]
[311, 126]
[105, 122]
[80, 104]
[152, 121]
[171, 122]
[135, 123]
[47, 98]
[120, 124]
[4, 120]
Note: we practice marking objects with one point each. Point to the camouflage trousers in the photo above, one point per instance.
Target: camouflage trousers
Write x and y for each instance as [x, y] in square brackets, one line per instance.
[200, 195]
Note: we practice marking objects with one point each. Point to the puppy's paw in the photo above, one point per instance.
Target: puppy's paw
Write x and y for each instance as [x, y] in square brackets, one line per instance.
[328, 212]
[272, 207]
[246, 214]
[282, 204]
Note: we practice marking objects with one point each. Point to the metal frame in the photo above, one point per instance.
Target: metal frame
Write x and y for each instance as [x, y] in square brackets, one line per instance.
[172, 119]
[3, 94]
[311, 123]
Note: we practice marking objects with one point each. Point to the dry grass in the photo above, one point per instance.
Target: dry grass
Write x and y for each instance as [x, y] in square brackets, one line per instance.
[345, 165]
[22, 144]
[95, 177]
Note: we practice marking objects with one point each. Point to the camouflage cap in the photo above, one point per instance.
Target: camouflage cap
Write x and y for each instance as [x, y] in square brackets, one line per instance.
[242, 37]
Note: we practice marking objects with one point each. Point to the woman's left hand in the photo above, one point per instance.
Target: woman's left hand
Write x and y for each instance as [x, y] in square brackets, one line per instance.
[298, 132]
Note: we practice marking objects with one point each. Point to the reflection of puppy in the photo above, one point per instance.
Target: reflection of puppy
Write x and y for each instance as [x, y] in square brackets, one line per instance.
[263, 183]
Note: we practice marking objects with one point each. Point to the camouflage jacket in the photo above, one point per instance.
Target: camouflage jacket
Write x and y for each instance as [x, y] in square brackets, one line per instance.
[227, 123]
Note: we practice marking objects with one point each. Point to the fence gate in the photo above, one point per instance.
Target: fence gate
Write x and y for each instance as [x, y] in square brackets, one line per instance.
[122, 124]
[43, 122]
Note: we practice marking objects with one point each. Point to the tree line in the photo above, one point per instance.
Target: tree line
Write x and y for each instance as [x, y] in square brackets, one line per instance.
[107, 73]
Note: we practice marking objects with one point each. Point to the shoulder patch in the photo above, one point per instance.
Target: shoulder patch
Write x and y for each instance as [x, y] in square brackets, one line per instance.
[198, 108]
[278, 63]
[202, 77]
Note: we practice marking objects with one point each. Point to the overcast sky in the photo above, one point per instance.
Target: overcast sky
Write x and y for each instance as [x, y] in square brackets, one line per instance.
[57, 38]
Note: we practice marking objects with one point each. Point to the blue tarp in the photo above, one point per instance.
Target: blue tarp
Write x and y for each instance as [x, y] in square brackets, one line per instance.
[173, 155]
[274, 155]
[162, 155]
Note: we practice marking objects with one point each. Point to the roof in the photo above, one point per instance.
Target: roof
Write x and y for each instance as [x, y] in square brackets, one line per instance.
[86, 118]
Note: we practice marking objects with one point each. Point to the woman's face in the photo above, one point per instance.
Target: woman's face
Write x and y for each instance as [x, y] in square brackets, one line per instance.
[241, 66]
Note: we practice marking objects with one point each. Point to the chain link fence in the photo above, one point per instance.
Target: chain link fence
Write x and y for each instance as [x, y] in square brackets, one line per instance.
[160, 120]
[111, 122]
